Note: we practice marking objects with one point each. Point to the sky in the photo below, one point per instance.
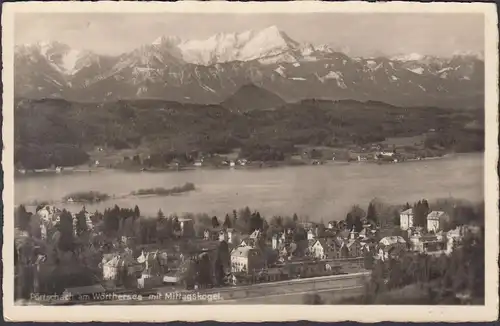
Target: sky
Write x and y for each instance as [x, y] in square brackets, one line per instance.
[364, 34]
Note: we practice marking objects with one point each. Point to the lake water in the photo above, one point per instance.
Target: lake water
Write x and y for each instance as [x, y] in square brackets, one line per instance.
[326, 191]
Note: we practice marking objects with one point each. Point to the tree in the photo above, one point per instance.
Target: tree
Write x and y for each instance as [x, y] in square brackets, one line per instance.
[111, 221]
[300, 234]
[277, 222]
[462, 215]
[219, 272]
[160, 214]
[358, 224]
[215, 222]
[148, 230]
[66, 242]
[137, 212]
[204, 270]
[227, 222]
[81, 223]
[321, 229]
[288, 223]
[256, 222]
[22, 218]
[420, 211]
[235, 217]
[396, 218]
[163, 229]
[349, 220]
[223, 257]
[371, 214]
[357, 211]
[243, 221]
[128, 227]
[426, 208]
[34, 228]
[295, 218]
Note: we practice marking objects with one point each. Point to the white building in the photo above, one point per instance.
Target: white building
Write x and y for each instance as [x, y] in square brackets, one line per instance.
[389, 245]
[111, 267]
[406, 219]
[275, 242]
[206, 235]
[227, 235]
[390, 154]
[114, 264]
[245, 259]
[223, 236]
[311, 235]
[49, 215]
[43, 231]
[453, 238]
[435, 220]
[230, 236]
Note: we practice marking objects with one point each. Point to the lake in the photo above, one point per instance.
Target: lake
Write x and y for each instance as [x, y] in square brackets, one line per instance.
[325, 191]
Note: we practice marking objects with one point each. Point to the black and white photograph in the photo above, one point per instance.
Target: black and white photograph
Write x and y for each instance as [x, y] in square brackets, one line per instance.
[253, 158]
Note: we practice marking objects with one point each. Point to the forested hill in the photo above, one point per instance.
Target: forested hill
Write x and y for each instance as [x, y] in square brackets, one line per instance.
[57, 132]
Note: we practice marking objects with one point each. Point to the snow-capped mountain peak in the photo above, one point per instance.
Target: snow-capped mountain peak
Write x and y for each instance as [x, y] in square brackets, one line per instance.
[324, 48]
[471, 54]
[61, 56]
[167, 41]
[224, 47]
[212, 68]
[408, 57]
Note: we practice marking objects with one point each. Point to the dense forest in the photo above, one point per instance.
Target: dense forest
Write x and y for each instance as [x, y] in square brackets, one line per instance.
[54, 132]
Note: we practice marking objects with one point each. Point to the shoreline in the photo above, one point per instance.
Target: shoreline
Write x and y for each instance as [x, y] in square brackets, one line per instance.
[268, 165]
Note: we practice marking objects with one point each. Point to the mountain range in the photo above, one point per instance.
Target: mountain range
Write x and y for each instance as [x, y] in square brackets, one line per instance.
[211, 70]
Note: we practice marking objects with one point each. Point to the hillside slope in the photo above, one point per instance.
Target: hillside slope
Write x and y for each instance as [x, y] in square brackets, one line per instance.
[251, 97]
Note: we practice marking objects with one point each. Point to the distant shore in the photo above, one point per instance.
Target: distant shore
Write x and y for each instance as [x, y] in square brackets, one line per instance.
[252, 166]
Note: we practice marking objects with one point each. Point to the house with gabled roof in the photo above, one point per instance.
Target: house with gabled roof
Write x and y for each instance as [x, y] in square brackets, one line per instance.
[246, 259]
[391, 246]
[435, 220]
[325, 248]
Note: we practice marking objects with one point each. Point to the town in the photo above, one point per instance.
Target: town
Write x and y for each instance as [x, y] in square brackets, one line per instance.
[83, 253]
